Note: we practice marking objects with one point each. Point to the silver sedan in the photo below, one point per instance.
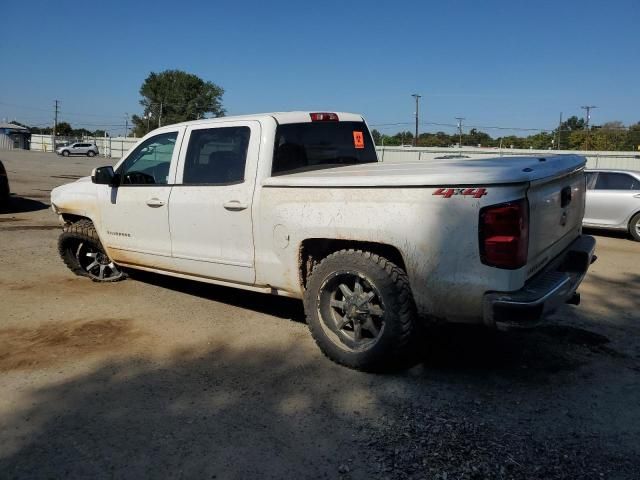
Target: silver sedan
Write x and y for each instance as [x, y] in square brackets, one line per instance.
[613, 200]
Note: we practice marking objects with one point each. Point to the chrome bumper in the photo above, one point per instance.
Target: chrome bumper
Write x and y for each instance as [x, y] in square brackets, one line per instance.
[544, 293]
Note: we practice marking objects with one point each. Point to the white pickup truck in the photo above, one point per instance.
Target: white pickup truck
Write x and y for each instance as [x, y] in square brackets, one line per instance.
[297, 204]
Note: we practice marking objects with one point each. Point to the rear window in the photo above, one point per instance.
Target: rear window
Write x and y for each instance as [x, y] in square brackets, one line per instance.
[616, 181]
[309, 146]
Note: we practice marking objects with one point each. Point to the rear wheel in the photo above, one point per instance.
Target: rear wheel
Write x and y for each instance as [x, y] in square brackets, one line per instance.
[634, 227]
[81, 250]
[360, 311]
[91, 153]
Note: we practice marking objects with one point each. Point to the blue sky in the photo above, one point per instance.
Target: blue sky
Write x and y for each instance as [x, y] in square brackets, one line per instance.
[497, 63]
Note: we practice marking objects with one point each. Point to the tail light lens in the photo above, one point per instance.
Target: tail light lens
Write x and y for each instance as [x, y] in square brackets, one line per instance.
[323, 117]
[504, 234]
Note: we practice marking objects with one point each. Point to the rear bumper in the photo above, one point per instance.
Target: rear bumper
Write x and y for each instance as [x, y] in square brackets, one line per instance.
[549, 289]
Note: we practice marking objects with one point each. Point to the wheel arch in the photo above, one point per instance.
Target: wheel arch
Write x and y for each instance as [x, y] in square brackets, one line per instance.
[629, 225]
[73, 218]
[631, 218]
[70, 218]
[313, 250]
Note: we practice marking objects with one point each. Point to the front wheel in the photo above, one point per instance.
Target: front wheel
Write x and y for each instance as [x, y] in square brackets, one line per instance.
[361, 312]
[81, 250]
[65, 153]
[634, 227]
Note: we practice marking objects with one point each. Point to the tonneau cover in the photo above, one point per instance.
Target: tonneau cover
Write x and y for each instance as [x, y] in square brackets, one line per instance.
[499, 170]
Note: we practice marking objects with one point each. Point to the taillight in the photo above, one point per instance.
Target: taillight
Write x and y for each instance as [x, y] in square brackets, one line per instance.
[323, 117]
[504, 234]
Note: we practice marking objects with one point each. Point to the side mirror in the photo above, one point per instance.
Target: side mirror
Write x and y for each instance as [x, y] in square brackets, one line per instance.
[105, 176]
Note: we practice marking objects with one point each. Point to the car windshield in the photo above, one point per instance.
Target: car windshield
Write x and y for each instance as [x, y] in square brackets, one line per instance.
[309, 146]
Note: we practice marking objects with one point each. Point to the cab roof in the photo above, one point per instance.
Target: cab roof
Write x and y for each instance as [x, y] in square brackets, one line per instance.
[280, 117]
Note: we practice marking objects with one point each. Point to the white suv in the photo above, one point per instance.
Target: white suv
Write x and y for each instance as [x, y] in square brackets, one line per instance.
[88, 149]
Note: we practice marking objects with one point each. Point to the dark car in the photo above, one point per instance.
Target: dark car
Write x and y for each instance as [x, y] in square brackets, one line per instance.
[4, 187]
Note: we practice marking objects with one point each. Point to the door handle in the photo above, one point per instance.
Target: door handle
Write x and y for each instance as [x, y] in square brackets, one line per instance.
[155, 202]
[235, 205]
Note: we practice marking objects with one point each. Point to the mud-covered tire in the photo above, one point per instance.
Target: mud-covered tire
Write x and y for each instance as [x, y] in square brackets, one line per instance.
[79, 247]
[634, 227]
[392, 307]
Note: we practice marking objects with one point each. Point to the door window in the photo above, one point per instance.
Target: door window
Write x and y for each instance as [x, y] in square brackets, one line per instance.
[616, 181]
[591, 180]
[216, 156]
[149, 163]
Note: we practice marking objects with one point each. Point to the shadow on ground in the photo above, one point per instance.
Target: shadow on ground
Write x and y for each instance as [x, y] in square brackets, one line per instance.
[19, 204]
[554, 402]
[261, 413]
[597, 232]
[281, 307]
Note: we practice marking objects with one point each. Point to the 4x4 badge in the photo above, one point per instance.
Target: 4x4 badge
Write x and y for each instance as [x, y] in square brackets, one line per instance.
[450, 192]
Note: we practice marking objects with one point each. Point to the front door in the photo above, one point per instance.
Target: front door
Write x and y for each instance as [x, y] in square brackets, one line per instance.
[210, 205]
[135, 215]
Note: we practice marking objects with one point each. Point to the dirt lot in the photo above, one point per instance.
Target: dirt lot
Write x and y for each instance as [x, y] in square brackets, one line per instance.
[156, 377]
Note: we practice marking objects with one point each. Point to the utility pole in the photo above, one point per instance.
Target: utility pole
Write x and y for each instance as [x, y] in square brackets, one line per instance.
[126, 124]
[160, 116]
[460, 119]
[415, 139]
[559, 130]
[55, 123]
[588, 109]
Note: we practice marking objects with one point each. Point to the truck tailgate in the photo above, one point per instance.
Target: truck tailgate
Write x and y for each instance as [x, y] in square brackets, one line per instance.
[556, 208]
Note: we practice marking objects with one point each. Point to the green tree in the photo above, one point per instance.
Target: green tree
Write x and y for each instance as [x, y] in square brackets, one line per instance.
[610, 136]
[81, 132]
[540, 141]
[476, 137]
[64, 129]
[632, 141]
[577, 140]
[571, 124]
[376, 136]
[176, 96]
[15, 122]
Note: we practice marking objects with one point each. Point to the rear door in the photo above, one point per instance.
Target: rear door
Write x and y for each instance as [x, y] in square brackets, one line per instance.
[612, 200]
[210, 205]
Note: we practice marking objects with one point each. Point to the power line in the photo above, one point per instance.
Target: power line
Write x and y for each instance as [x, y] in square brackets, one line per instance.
[455, 125]
[66, 113]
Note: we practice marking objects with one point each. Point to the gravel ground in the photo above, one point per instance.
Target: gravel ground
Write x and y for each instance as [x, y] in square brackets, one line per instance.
[158, 377]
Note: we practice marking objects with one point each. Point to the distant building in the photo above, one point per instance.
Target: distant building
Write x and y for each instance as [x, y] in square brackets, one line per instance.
[14, 136]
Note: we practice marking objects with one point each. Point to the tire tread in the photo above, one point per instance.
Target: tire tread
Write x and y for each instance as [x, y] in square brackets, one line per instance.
[83, 230]
[402, 349]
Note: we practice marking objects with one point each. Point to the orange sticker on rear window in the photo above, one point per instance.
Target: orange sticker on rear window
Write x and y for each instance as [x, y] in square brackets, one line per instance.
[358, 140]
